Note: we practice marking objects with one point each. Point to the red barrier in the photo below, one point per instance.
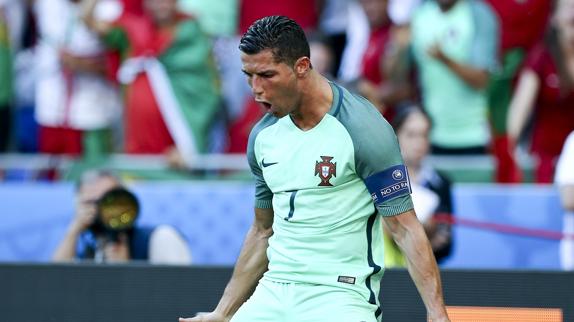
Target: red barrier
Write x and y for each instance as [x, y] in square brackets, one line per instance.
[503, 228]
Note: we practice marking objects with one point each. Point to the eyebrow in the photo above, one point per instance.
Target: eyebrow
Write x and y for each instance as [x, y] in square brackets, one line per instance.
[264, 72]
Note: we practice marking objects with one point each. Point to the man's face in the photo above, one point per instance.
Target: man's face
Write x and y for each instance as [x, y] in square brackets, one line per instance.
[414, 138]
[273, 84]
[161, 11]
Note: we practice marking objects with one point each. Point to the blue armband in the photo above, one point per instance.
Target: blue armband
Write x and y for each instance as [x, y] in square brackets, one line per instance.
[389, 183]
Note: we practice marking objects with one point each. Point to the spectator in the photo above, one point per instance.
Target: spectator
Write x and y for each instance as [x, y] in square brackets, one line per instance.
[305, 12]
[545, 93]
[431, 189]
[383, 89]
[5, 80]
[85, 239]
[333, 24]
[75, 103]
[172, 94]
[565, 181]
[25, 39]
[523, 24]
[455, 46]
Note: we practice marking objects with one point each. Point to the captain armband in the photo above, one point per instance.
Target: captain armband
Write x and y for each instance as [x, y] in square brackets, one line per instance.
[388, 184]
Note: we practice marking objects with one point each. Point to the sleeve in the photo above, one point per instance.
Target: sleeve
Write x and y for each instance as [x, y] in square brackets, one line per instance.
[565, 166]
[263, 195]
[487, 34]
[378, 162]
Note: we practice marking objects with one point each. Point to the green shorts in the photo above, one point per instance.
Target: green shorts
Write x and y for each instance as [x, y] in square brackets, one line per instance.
[299, 302]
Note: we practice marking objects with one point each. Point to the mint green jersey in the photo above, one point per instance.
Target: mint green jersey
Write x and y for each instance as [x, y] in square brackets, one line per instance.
[323, 185]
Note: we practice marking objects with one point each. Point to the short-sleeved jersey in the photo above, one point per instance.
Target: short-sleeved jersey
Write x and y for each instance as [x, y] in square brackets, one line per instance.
[468, 34]
[323, 185]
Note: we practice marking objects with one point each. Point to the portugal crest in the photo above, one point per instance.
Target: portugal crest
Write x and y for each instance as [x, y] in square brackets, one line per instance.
[326, 170]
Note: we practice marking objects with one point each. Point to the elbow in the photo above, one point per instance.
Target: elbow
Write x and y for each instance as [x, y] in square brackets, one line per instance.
[263, 233]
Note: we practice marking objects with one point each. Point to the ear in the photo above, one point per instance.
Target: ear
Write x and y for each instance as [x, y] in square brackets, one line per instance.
[302, 66]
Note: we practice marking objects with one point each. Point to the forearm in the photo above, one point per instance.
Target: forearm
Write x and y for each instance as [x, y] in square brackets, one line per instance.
[411, 238]
[474, 77]
[90, 65]
[66, 251]
[249, 269]
[423, 268]
[522, 104]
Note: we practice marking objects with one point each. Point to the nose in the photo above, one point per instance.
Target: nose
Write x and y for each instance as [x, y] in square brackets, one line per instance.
[256, 87]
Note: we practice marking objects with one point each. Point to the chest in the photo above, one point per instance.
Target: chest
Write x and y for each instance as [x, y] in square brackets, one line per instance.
[453, 31]
[291, 159]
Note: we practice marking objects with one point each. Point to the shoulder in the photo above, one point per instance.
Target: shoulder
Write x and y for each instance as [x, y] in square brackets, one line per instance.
[266, 121]
[484, 16]
[162, 232]
[423, 9]
[360, 117]
[481, 8]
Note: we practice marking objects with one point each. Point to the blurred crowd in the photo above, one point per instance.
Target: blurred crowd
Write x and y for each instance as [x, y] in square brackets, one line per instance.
[88, 78]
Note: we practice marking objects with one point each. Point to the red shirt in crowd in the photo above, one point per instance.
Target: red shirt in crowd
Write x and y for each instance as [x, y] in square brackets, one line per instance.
[373, 56]
[304, 12]
[554, 111]
[522, 21]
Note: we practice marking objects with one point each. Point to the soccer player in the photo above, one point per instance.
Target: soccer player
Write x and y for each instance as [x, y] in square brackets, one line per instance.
[328, 170]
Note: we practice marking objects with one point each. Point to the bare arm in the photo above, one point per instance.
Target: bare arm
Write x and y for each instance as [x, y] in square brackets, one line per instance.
[522, 103]
[99, 27]
[93, 65]
[66, 250]
[410, 236]
[474, 77]
[249, 269]
[567, 197]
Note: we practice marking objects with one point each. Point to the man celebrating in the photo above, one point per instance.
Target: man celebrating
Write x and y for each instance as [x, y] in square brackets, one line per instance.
[321, 157]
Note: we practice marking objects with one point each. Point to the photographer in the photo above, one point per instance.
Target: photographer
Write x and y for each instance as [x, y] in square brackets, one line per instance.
[90, 237]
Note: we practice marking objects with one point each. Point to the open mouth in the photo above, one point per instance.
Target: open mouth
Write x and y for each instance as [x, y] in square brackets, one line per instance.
[266, 105]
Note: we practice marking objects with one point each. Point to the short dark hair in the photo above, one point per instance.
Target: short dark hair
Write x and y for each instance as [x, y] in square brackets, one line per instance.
[403, 112]
[282, 35]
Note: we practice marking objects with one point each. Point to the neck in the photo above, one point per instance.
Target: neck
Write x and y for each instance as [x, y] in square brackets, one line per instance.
[316, 100]
[447, 7]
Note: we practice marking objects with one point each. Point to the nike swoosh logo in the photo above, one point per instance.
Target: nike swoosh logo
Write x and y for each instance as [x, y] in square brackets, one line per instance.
[265, 165]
